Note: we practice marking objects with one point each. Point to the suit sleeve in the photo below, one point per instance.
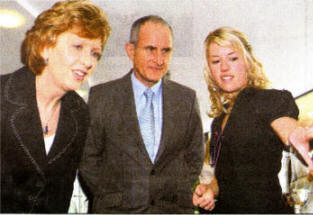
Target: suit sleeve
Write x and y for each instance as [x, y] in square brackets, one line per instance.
[194, 155]
[93, 152]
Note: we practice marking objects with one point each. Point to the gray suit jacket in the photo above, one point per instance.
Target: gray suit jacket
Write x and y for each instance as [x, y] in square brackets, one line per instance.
[116, 166]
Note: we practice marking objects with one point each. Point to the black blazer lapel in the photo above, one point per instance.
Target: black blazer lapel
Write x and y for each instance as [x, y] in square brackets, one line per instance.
[131, 126]
[67, 130]
[29, 136]
[24, 118]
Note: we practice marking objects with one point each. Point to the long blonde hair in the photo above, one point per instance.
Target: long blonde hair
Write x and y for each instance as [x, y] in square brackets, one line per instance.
[227, 36]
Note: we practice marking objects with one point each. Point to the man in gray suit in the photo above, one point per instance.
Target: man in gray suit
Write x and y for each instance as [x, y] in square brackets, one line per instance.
[144, 149]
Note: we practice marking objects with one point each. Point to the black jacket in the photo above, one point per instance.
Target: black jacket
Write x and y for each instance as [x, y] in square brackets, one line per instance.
[248, 153]
[32, 181]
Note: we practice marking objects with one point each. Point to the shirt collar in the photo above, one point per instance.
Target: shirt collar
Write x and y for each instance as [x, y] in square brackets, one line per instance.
[140, 88]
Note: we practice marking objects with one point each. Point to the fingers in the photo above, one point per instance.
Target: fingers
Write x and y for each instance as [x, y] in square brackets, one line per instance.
[206, 203]
[206, 200]
[199, 190]
[196, 196]
[210, 207]
[203, 197]
[195, 199]
[202, 188]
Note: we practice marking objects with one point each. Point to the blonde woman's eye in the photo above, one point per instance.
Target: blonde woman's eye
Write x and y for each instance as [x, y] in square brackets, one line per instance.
[234, 58]
[215, 61]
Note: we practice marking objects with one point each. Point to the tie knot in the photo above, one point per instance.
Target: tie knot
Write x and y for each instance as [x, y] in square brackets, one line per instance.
[148, 93]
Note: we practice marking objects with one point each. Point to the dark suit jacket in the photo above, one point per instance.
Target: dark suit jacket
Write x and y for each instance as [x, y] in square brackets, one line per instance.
[32, 181]
[116, 165]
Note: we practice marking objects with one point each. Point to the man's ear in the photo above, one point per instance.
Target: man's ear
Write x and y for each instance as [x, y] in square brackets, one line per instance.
[130, 50]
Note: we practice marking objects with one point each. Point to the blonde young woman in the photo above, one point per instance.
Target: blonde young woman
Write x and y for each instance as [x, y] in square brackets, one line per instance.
[43, 120]
[251, 124]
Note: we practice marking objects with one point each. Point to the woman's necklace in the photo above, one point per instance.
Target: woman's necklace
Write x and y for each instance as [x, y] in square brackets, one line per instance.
[46, 124]
[42, 97]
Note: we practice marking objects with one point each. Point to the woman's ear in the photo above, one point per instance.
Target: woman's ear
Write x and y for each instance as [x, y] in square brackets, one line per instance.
[45, 54]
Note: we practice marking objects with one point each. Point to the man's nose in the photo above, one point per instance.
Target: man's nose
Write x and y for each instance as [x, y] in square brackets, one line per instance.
[159, 58]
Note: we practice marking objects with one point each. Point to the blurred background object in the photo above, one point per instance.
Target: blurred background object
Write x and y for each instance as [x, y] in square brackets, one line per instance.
[305, 104]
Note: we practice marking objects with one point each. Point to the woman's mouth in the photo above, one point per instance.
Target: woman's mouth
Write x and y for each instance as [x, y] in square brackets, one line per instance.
[79, 75]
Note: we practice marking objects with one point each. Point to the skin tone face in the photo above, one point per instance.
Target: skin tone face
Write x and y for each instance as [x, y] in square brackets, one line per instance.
[71, 61]
[152, 53]
[227, 67]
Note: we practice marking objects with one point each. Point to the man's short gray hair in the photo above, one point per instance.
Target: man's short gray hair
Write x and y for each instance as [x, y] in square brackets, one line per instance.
[134, 32]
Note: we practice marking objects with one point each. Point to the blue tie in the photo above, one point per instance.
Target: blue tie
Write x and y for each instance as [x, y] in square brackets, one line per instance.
[146, 121]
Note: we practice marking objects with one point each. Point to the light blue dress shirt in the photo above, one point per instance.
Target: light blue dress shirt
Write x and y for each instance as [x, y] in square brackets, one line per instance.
[139, 89]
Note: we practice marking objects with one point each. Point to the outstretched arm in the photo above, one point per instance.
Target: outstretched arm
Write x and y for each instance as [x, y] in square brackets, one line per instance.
[290, 131]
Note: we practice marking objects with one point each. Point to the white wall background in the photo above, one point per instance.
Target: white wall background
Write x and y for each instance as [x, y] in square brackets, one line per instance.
[280, 31]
